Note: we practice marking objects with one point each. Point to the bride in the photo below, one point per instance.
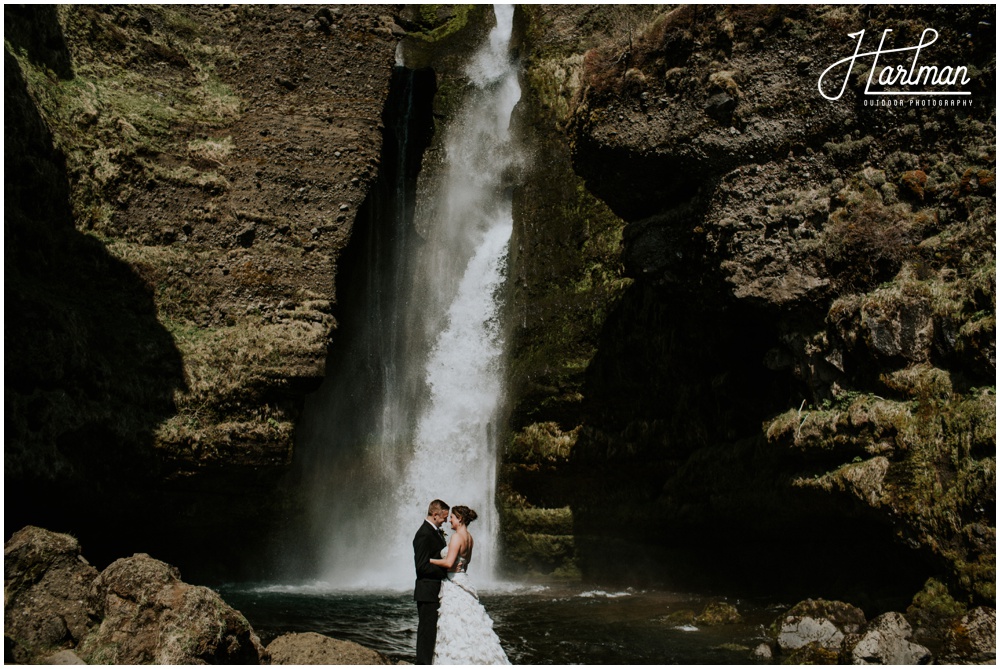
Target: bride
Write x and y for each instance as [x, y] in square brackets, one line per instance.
[465, 631]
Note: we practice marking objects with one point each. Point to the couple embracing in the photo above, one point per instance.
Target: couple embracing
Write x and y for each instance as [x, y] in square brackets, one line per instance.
[453, 627]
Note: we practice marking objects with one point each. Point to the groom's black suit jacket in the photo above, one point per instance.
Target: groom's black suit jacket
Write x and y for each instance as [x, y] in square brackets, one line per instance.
[427, 544]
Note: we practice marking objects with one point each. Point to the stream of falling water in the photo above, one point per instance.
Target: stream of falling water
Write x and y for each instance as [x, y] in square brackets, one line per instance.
[454, 455]
[425, 429]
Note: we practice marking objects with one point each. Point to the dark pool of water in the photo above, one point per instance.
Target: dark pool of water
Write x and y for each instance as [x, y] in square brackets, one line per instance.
[536, 625]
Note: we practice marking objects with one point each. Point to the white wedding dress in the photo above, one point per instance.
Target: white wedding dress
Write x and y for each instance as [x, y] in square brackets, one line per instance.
[465, 631]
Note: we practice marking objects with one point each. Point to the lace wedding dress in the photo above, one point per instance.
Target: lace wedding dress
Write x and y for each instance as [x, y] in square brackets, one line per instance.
[465, 631]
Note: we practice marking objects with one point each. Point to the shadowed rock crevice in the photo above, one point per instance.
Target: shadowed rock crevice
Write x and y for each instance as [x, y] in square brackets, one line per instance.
[90, 371]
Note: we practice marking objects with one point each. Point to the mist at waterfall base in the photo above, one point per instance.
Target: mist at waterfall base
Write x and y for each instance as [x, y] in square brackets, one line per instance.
[414, 380]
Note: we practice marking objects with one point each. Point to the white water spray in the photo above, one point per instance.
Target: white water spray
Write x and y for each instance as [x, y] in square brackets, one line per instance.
[432, 436]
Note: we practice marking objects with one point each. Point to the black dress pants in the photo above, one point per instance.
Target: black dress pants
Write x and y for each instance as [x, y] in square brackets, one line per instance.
[427, 629]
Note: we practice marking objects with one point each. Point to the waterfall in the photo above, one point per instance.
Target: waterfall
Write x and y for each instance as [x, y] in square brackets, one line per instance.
[407, 413]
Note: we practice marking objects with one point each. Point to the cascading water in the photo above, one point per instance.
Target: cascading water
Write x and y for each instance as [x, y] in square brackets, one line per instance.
[407, 413]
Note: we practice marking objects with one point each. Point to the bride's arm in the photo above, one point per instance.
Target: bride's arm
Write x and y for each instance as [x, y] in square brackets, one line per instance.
[453, 548]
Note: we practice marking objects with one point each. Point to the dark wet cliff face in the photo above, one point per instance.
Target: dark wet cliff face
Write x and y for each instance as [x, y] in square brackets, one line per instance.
[180, 182]
[795, 342]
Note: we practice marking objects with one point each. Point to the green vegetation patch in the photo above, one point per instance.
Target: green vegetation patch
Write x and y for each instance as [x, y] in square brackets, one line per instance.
[438, 22]
[142, 75]
[542, 443]
[542, 521]
[929, 462]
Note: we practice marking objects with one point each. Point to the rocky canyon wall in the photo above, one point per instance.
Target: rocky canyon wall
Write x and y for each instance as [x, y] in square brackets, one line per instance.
[782, 377]
[180, 184]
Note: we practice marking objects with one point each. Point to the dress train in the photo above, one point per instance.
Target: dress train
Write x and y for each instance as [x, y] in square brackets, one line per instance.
[465, 631]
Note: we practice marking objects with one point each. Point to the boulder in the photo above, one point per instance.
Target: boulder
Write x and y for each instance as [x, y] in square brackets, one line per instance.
[973, 638]
[762, 654]
[46, 583]
[817, 623]
[721, 106]
[246, 236]
[150, 616]
[63, 657]
[885, 641]
[312, 648]
[719, 613]
[814, 652]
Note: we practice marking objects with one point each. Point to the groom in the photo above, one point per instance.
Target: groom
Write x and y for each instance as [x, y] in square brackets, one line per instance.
[427, 544]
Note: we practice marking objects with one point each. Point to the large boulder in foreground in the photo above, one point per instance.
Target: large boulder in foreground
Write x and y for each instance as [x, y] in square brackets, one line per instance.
[46, 586]
[312, 648]
[150, 616]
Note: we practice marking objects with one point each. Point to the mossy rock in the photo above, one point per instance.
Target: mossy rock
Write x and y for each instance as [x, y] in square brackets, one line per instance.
[542, 554]
[813, 653]
[719, 613]
[437, 32]
[841, 614]
[679, 618]
[542, 443]
[934, 605]
[542, 521]
[920, 381]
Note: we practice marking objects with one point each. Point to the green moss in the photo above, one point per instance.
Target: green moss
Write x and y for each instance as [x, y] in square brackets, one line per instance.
[719, 613]
[934, 603]
[554, 84]
[112, 115]
[942, 470]
[434, 29]
[572, 291]
[542, 554]
[920, 381]
[812, 653]
[855, 424]
[448, 97]
[541, 521]
[849, 150]
[541, 442]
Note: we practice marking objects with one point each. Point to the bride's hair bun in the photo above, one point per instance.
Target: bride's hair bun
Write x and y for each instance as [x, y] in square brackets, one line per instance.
[465, 513]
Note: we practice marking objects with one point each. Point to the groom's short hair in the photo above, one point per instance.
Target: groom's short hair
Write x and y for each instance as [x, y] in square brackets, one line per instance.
[435, 506]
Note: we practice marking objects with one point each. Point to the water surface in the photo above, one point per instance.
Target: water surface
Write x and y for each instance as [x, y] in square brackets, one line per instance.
[536, 625]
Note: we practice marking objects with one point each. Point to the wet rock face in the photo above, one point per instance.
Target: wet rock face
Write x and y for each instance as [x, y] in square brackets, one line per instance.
[46, 587]
[150, 616]
[800, 268]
